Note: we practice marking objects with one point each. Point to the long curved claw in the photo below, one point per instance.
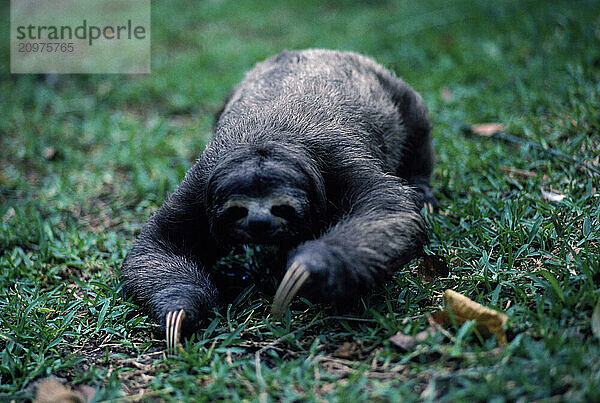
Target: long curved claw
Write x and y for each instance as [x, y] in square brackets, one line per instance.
[294, 278]
[173, 327]
[429, 207]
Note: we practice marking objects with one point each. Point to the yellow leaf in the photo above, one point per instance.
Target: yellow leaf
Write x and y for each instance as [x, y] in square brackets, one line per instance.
[489, 322]
[487, 129]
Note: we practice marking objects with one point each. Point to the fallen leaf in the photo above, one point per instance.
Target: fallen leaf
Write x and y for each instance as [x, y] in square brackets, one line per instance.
[88, 392]
[487, 129]
[348, 350]
[446, 94]
[432, 267]
[50, 153]
[408, 343]
[518, 172]
[489, 322]
[50, 390]
[403, 341]
[555, 197]
[596, 320]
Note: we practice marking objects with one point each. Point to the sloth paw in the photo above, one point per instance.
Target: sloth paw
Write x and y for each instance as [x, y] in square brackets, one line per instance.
[318, 272]
[173, 329]
[181, 308]
[427, 197]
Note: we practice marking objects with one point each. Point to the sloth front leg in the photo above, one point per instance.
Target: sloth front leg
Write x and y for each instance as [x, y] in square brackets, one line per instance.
[164, 270]
[381, 231]
[171, 286]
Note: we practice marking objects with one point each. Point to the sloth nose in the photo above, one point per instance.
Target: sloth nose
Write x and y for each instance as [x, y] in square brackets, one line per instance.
[261, 224]
[260, 221]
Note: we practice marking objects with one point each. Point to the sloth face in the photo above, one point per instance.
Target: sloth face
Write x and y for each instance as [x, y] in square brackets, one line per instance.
[259, 200]
[272, 218]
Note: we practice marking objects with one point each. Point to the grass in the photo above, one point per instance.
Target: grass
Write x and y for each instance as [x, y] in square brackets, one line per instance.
[85, 160]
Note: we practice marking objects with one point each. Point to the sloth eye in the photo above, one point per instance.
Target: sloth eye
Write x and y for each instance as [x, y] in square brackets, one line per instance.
[235, 213]
[283, 211]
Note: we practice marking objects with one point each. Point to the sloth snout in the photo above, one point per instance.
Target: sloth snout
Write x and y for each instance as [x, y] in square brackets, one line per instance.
[262, 225]
[260, 221]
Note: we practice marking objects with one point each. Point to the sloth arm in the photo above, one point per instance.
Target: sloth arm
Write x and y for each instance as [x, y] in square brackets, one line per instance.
[163, 271]
[380, 229]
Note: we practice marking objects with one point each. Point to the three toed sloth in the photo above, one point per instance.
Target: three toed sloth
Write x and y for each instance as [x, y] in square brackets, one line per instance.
[323, 153]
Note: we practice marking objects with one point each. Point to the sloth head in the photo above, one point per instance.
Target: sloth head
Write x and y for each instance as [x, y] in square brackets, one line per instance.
[265, 194]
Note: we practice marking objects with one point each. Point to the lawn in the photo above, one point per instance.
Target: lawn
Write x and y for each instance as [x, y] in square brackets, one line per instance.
[84, 161]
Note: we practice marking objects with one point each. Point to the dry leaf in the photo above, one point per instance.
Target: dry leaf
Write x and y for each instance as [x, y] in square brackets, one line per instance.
[487, 129]
[49, 153]
[432, 267]
[446, 94]
[408, 343]
[555, 197]
[518, 172]
[348, 350]
[403, 341]
[50, 390]
[596, 320]
[87, 392]
[489, 322]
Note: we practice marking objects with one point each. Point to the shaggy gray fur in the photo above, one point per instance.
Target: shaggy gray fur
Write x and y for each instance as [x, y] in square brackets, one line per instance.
[324, 153]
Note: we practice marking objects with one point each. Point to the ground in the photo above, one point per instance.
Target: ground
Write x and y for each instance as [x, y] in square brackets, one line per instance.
[84, 160]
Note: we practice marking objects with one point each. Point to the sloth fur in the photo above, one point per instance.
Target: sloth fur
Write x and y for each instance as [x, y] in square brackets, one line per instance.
[323, 153]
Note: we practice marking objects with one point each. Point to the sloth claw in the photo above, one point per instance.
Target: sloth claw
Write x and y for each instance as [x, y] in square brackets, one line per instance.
[429, 207]
[173, 329]
[294, 278]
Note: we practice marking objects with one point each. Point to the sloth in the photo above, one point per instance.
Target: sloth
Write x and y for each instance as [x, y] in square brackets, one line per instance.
[323, 154]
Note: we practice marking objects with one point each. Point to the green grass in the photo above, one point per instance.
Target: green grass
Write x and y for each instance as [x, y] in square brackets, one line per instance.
[123, 142]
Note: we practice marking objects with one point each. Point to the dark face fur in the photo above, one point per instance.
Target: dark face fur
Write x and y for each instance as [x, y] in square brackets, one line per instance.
[262, 196]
